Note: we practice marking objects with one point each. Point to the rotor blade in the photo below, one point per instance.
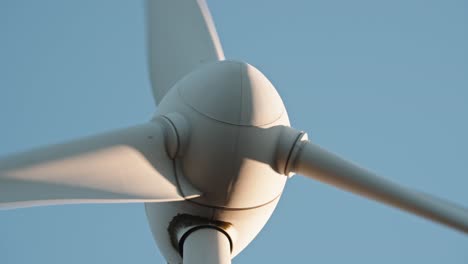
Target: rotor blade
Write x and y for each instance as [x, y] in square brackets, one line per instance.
[181, 36]
[317, 163]
[128, 165]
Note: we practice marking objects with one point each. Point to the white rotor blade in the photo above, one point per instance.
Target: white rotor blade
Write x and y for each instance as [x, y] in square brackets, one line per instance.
[181, 36]
[128, 165]
[317, 163]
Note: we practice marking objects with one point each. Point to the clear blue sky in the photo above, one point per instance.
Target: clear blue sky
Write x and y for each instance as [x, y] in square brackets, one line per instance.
[383, 83]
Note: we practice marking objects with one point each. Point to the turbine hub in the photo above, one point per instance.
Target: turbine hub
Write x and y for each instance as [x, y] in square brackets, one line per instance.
[232, 92]
[235, 118]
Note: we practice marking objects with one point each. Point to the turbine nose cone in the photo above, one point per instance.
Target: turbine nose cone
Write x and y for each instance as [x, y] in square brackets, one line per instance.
[234, 117]
[233, 92]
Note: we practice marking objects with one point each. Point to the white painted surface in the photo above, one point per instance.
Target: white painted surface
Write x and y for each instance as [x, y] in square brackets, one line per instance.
[247, 223]
[128, 165]
[233, 134]
[207, 246]
[319, 164]
[181, 36]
